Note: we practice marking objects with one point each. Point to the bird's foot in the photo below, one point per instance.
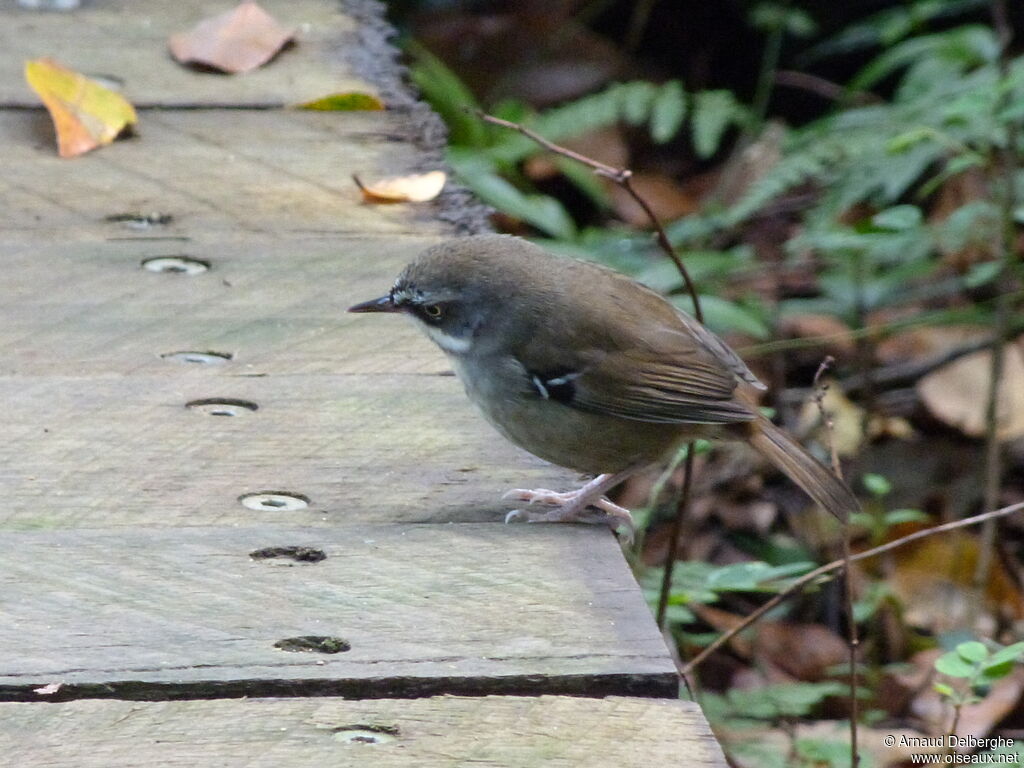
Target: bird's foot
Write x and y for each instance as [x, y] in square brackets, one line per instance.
[578, 506]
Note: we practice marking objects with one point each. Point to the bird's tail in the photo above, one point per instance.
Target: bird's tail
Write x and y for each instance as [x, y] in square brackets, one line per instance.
[817, 480]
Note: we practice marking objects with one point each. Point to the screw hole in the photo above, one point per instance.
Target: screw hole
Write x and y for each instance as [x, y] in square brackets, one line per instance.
[183, 265]
[262, 501]
[136, 220]
[366, 734]
[198, 358]
[222, 406]
[298, 554]
[313, 644]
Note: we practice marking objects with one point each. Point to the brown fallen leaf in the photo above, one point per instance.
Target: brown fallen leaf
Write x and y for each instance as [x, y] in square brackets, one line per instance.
[808, 652]
[934, 580]
[414, 188]
[85, 114]
[668, 199]
[835, 336]
[607, 145]
[237, 41]
[956, 393]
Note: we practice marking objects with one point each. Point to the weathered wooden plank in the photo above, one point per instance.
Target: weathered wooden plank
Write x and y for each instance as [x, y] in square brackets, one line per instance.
[550, 731]
[276, 305]
[189, 613]
[114, 451]
[126, 41]
[214, 170]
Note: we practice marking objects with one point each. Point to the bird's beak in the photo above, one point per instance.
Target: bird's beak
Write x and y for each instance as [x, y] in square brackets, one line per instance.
[383, 304]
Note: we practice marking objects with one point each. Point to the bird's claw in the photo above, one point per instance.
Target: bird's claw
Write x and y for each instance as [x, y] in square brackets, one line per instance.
[592, 515]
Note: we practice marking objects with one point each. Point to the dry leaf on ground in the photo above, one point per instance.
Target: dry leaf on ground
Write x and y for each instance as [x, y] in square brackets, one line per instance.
[835, 336]
[607, 145]
[352, 101]
[806, 651]
[847, 431]
[414, 188]
[85, 114]
[934, 580]
[239, 40]
[956, 393]
[667, 199]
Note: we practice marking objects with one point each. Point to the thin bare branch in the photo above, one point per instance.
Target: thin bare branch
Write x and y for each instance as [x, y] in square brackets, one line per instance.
[836, 565]
[621, 176]
[852, 640]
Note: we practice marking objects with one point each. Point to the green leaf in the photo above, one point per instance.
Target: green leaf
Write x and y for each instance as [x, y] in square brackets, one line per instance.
[993, 672]
[713, 113]
[449, 97]
[545, 213]
[668, 111]
[898, 516]
[352, 101]
[970, 45]
[752, 576]
[822, 752]
[984, 272]
[972, 651]
[584, 179]
[781, 700]
[953, 665]
[898, 218]
[876, 485]
[1010, 653]
[636, 102]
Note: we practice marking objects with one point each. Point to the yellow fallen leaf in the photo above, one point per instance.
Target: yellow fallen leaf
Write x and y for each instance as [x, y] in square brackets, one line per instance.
[847, 432]
[85, 114]
[415, 188]
[344, 102]
[239, 40]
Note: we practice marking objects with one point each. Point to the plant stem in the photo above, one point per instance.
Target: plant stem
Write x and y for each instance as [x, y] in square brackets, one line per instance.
[1000, 331]
[852, 640]
[766, 76]
[682, 503]
[836, 565]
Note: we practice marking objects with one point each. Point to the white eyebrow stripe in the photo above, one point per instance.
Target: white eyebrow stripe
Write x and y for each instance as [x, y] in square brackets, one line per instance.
[541, 388]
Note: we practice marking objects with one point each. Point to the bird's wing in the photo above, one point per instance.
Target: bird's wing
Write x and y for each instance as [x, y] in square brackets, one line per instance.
[676, 381]
[638, 387]
[720, 350]
[668, 369]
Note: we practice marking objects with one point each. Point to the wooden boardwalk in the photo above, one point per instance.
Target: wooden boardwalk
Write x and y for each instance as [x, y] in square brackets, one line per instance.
[219, 487]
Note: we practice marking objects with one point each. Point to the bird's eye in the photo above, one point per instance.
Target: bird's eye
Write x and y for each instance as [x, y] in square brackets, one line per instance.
[433, 311]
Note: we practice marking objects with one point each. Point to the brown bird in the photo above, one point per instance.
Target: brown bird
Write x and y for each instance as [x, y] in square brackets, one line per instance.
[588, 369]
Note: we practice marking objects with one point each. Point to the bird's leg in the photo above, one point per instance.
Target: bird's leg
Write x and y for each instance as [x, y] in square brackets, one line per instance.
[574, 506]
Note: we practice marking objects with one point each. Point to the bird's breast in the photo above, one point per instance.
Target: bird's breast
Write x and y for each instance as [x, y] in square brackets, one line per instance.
[588, 442]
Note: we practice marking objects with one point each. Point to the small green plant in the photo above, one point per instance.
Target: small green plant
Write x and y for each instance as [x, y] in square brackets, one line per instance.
[700, 583]
[876, 519]
[741, 712]
[973, 668]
